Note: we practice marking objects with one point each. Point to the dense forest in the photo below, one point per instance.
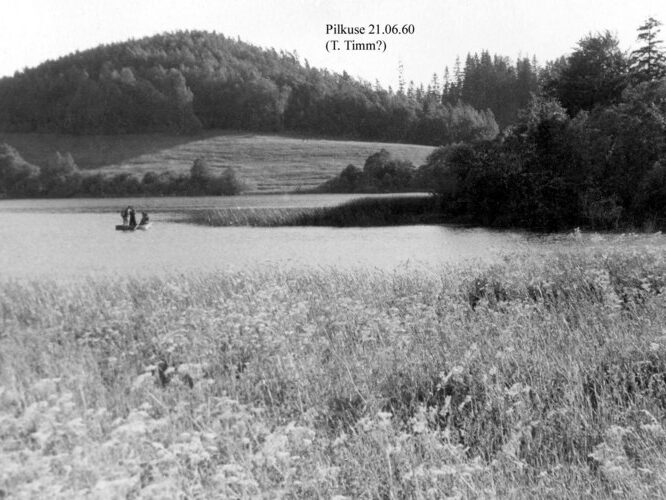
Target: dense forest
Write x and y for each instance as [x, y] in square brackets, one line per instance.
[183, 82]
[589, 149]
[492, 83]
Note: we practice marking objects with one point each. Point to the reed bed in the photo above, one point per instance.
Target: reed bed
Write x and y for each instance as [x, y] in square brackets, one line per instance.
[534, 377]
[362, 212]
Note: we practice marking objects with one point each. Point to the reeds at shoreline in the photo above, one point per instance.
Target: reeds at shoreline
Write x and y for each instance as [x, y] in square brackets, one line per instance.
[362, 212]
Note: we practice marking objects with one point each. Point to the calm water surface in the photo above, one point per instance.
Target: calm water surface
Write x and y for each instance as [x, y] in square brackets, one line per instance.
[76, 237]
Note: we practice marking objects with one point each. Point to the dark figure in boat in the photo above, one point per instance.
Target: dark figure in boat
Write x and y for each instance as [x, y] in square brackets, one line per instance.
[129, 220]
[132, 217]
[124, 213]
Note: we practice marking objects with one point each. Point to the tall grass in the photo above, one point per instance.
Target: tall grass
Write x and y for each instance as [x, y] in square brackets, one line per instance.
[383, 211]
[536, 377]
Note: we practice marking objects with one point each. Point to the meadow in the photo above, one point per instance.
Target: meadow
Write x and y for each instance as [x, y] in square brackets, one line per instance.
[540, 375]
[266, 163]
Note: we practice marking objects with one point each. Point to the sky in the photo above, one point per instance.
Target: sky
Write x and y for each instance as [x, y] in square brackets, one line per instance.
[33, 31]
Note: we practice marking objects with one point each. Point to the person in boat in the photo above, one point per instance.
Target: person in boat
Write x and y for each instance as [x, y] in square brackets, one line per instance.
[144, 219]
[124, 213]
[132, 217]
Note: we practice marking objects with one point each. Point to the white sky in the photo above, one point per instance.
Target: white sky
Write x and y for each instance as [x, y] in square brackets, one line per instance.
[32, 31]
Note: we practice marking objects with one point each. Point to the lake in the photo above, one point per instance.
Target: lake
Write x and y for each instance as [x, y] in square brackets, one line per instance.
[76, 237]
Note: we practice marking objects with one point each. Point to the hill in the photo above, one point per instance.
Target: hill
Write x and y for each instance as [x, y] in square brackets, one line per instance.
[266, 163]
[189, 81]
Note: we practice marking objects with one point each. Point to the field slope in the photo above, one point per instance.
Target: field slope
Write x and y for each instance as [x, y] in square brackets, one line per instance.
[268, 163]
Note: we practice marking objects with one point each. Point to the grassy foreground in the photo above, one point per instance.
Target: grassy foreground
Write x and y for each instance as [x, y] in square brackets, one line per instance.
[534, 377]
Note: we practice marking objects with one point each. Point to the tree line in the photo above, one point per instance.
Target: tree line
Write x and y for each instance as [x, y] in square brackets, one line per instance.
[587, 149]
[491, 82]
[60, 177]
[185, 81]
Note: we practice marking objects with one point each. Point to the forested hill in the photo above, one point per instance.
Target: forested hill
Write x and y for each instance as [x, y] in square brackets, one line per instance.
[185, 81]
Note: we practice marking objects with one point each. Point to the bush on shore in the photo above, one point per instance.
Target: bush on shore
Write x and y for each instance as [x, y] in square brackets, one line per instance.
[61, 178]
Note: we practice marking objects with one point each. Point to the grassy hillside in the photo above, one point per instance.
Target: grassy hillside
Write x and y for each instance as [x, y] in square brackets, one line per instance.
[267, 163]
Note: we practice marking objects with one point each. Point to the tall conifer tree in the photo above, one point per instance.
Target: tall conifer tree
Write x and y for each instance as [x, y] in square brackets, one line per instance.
[648, 62]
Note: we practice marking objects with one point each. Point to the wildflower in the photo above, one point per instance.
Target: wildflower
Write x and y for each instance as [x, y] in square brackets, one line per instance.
[419, 421]
[45, 387]
[655, 430]
[366, 424]
[274, 450]
[115, 488]
[9, 399]
[299, 437]
[340, 440]
[142, 381]
[384, 420]
[195, 370]
[159, 490]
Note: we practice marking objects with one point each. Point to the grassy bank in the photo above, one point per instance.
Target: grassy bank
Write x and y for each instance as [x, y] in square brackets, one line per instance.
[267, 163]
[535, 377]
[385, 211]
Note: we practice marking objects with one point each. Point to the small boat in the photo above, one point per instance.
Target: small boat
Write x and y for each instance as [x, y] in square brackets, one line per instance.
[127, 227]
